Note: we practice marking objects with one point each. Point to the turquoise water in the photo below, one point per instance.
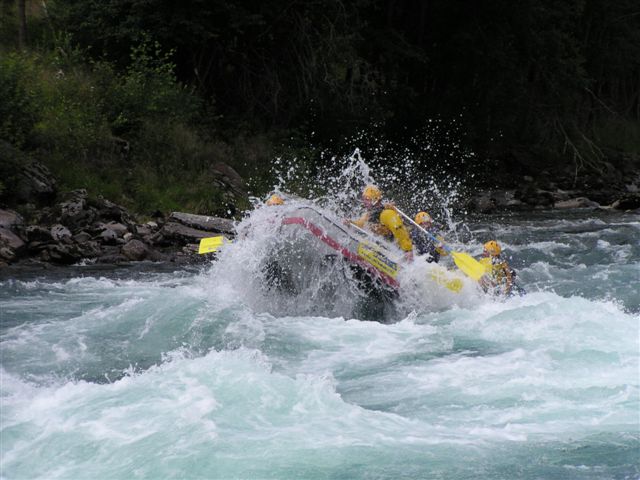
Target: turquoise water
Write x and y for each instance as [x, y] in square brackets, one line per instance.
[155, 372]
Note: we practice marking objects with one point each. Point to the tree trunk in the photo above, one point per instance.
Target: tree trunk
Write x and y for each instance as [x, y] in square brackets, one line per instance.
[22, 24]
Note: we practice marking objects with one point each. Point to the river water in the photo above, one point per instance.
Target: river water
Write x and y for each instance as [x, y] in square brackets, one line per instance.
[155, 371]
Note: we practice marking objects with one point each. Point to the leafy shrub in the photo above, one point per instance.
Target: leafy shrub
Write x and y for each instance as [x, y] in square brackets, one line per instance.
[17, 103]
[147, 89]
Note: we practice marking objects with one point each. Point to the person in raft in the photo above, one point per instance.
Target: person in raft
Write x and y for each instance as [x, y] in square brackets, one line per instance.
[423, 244]
[274, 199]
[500, 278]
[382, 219]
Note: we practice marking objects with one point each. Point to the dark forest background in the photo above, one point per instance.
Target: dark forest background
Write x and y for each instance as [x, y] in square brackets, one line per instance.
[136, 99]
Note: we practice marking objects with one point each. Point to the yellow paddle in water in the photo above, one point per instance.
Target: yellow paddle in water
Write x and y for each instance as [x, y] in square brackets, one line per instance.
[440, 277]
[465, 262]
[212, 244]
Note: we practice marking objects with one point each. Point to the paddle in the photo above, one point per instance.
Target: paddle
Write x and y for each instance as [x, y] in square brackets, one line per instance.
[440, 277]
[212, 244]
[465, 262]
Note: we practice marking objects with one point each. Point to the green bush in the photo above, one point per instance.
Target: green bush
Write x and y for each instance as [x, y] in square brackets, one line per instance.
[17, 103]
[148, 89]
[134, 135]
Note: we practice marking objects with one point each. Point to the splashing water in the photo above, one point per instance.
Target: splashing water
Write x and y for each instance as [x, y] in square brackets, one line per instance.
[149, 372]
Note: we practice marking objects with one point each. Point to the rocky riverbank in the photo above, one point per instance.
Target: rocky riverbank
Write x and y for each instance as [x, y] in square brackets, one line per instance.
[38, 225]
[97, 230]
[616, 186]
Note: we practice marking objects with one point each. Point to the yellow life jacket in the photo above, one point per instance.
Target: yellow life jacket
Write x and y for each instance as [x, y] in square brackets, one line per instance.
[392, 221]
[387, 223]
[498, 272]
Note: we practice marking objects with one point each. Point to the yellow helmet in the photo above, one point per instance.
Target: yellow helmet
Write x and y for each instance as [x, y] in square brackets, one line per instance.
[372, 193]
[492, 248]
[423, 217]
[275, 200]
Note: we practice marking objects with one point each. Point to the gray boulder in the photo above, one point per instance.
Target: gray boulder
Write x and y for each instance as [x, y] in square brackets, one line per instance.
[74, 211]
[108, 210]
[578, 202]
[10, 219]
[119, 228]
[37, 233]
[203, 222]
[11, 240]
[6, 255]
[35, 184]
[81, 237]
[60, 233]
[135, 250]
[60, 253]
[482, 203]
[181, 233]
[629, 201]
[228, 179]
[108, 237]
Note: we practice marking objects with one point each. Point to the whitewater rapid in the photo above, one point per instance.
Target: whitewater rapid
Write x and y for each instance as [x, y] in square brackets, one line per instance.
[152, 372]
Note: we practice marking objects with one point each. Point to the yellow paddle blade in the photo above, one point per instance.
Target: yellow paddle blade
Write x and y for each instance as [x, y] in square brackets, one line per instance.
[440, 277]
[469, 265]
[211, 244]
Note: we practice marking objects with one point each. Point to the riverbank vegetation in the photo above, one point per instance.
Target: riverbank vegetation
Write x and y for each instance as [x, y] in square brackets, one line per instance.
[136, 100]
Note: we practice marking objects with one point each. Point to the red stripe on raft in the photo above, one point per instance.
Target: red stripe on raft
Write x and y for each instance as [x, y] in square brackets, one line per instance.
[346, 253]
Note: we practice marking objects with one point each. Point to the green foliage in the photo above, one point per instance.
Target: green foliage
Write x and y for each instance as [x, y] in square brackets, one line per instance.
[11, 162]
[130, 135]
[18, 109]
[71, 120]
[147, 89]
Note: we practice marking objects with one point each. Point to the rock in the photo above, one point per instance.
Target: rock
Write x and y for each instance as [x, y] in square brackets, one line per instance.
[118, 228]
[63, 254]
[36, 233]
[227, 178]
[73, 211]
[7, 254]
[35, 184]
[630, 201]
[504, 198]
[36, 247]
[11, 240]
[10, 219]
[135, 250]
[108, 210]
[60, 233]
[181, 233]
[482, 203]
[191, 248]
[560, 195]
[89, 249]
[537, 197]
[108, 237]
[203, 222]
[579, 202]
[127, 236]
[142, 230]
[81, 237]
